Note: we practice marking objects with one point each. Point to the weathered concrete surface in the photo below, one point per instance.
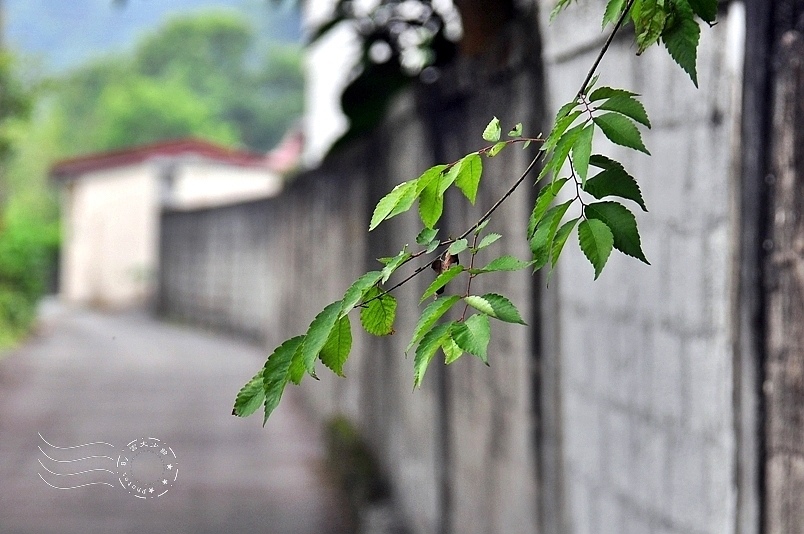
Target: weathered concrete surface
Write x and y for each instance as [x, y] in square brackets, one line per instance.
[87, 377]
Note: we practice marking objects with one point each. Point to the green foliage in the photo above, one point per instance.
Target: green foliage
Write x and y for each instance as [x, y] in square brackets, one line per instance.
[199, 75]
[567, 151]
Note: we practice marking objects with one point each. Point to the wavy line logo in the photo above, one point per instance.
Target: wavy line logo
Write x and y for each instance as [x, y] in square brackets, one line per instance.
[146, 467]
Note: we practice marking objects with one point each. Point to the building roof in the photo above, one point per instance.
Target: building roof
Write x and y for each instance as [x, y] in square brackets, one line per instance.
[73, 167]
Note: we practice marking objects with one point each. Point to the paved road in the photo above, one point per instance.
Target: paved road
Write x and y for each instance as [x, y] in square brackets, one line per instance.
[87, 377]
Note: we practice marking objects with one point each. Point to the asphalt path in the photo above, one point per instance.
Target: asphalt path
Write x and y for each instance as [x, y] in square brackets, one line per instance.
[92, 398]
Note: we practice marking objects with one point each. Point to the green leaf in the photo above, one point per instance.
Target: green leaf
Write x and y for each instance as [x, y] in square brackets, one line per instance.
[681, 40]
[458, 246]
[473, 336]
[250, 397]
[431, 204]
[430, 315]
[433, 174]
[542, 240]
[430, 343]
[613, 181]
[358, 289]
[377, 317]
[468, 179]
[621, 130]
[394, 264]
[495, 306]
[516, 131]
[451, 350]
[543, 201]
[493, 131]
[613, 11]
[649, 21]
[596, 242]
[706, 9]
[562, 150]
[558, 130]
[399, 200]
[602, 93]
[560, 6]
[488, 240]
[297, 371]
[581, 150]
[426, 236]
[434, 244]
[336, 350]
[560, 239]
[277, 372]
[317, 335]
[628, 106]
[441, 280]
[480, 227]
[503, 263]
[622, 224]
[591, 84]
[493, 151]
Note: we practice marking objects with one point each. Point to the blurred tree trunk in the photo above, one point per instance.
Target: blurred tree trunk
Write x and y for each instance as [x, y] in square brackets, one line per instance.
[784, 279]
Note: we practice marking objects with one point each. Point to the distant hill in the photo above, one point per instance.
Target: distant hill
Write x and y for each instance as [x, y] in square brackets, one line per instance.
[65, 33]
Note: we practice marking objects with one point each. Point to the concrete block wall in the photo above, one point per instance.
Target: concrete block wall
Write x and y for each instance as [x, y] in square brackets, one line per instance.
[644, 355]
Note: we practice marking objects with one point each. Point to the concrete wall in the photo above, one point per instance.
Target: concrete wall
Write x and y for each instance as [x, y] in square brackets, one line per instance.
[613, 411]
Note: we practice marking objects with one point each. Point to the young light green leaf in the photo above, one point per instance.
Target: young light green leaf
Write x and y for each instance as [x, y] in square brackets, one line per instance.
[468, 179]
[503, 263]
[493, 131]
[622, 224]
[441, 280]
[706, 9]
[277, 372]
[628, 106]
[431, 205]
[434, 244]
[613, 181]
[480, 227]
[621, 130]
[394, 264]
[336, 350]
[591, 84]
[681, 40]
[581, 150]
[250, 397]
[493, 151]
[430, 343]
[542, 240]
[516, 131]
[399, 200]
[430, 315]
[426, 236]
[433, 174]
[358, 289]
[473, 336]
[602, 93]
[596, 243]
[613, 11]
[458, 246]
[451, 350]
[377, 317]
[543, 201]
[560, 6]
[317, 335]
[488, 240]
[496, 306]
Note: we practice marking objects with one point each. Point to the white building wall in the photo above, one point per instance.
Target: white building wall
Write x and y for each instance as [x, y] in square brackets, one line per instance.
[201, 184]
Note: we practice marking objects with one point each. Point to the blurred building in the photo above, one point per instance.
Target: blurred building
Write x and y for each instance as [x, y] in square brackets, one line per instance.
[111, 204]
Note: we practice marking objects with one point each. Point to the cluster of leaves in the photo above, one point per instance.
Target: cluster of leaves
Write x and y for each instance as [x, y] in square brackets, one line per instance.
[567, 157]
